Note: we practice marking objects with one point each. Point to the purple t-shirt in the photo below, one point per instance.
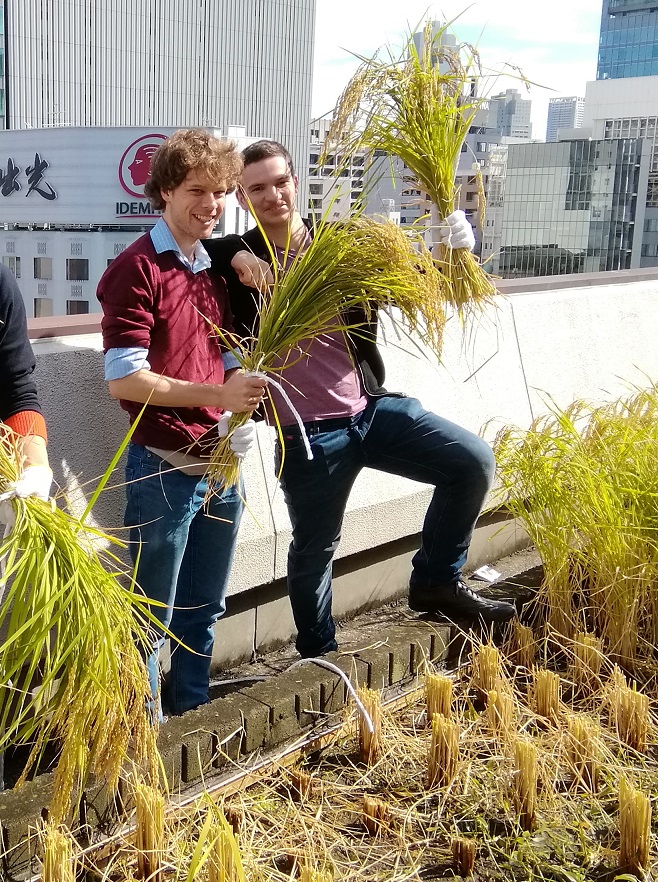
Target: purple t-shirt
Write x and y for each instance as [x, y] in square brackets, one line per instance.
[321, 381]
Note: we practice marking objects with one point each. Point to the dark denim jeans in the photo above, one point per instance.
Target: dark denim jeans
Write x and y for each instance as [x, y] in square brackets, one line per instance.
[395, 435]
[185, 553]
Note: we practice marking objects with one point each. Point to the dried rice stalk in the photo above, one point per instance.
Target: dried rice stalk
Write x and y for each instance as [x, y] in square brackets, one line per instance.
[634, 828]
[58, 863]
[444, 752]
[463, 856]
[376, 815]
[546, 694]
[521, 645]
[309, 874]
[486, 669]
[301, 785]
[370, 743]
[150, 832]
[438, 692]
[525, 783]
[502, 714]
[628, 712]
[587, 660]
[584, 751]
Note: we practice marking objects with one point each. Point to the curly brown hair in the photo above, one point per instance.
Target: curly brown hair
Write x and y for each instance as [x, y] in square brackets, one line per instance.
[191, 150]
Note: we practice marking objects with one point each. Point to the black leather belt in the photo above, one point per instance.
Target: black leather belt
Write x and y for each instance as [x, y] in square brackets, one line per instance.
[314, 427]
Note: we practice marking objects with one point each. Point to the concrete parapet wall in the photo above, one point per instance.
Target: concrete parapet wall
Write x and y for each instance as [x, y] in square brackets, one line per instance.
[591, 341]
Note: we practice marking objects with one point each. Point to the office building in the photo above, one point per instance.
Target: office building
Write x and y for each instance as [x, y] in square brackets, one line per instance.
[336, 184]
[71, 200]
[564, 113]
[628, 42]
[166, 64]
[571, 207]
[509, 114]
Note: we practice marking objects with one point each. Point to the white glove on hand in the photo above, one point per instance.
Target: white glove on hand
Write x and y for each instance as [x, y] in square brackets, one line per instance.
[241, 438]
[36, 480]
[456, 232]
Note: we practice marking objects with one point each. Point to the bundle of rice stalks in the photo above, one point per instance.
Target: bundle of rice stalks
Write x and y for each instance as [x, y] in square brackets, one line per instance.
[463, 856]
[360, 263]
[58, 863]
[370, 743]
[525, 783]
[545, 692]
[70, 667]
[438, 695]
[634, 828]
[584, 751]
[444, 752]
[150, 831]
[376, 815]
[582, 480]
[419, 107]
[309, 873]
[586, 662]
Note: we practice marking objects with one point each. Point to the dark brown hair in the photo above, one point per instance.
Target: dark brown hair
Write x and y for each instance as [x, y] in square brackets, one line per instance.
[191, 150]
[260, 150]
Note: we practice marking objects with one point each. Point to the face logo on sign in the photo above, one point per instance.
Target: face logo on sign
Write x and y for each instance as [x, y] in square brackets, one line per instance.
[136, 163]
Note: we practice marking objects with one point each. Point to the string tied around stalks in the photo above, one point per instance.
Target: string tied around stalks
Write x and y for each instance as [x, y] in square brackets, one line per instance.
[293, 409]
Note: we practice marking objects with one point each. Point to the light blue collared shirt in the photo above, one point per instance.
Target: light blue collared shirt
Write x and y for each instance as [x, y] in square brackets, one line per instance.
[163, 240]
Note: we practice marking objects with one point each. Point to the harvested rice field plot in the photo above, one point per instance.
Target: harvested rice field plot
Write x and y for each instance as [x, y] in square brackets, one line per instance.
[533, 762]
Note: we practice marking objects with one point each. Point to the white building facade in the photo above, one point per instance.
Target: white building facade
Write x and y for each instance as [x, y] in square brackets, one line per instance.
[564, 113]
[71, 200]
[170, 63]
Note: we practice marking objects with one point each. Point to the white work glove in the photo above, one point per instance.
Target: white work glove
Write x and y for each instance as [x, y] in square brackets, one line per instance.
[241, 438]
[456, 232]
[36, 480]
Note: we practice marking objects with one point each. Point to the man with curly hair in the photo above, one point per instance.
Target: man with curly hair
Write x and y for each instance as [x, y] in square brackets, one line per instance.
[165, 366]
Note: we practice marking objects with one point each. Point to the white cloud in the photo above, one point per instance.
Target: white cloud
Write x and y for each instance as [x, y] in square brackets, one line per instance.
[555, 44]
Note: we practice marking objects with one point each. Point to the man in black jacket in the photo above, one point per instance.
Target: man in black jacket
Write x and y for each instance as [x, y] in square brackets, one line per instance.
[351, 421]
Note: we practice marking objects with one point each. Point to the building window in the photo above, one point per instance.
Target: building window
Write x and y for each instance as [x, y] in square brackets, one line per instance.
[76, 290]
[109, 260]
[315, 189]
[42, 290]
[118, 248]
[14, 264]
[77, 307]
[43, 307]
[41, 248]
[76, 248]
[11, 247]
[43, 267]
[77, 269]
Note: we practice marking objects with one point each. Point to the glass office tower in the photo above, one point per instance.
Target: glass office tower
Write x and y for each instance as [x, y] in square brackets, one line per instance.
[569, 207]
[628, 44]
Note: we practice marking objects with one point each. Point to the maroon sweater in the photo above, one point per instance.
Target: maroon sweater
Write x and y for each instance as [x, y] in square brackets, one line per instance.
[152, 301]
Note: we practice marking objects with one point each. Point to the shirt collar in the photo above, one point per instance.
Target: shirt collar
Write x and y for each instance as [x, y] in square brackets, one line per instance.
[163, 240]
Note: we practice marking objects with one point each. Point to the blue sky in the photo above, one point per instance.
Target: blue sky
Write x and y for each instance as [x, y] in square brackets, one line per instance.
[554, 43]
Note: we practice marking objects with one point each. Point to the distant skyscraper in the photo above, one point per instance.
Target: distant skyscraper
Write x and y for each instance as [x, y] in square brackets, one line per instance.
[509, 114]
[628, 45]
[564, 113]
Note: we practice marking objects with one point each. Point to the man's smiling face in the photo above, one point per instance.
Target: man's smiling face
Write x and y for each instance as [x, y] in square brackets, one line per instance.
[193, 208]
[271, 189]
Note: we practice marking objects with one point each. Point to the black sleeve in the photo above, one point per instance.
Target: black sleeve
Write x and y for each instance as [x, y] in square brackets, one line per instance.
[18, 391]
[243, 301]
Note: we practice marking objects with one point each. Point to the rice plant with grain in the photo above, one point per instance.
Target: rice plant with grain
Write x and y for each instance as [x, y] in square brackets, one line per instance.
[583, 482]
[348, 269]
[71, 672]
[418, 107]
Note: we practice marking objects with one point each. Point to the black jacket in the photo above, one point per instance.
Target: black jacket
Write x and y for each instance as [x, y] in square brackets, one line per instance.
[244, 305]
[18, 391]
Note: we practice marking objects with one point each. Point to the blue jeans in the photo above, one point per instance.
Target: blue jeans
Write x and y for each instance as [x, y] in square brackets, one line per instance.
[395, 435]
[185, 550]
